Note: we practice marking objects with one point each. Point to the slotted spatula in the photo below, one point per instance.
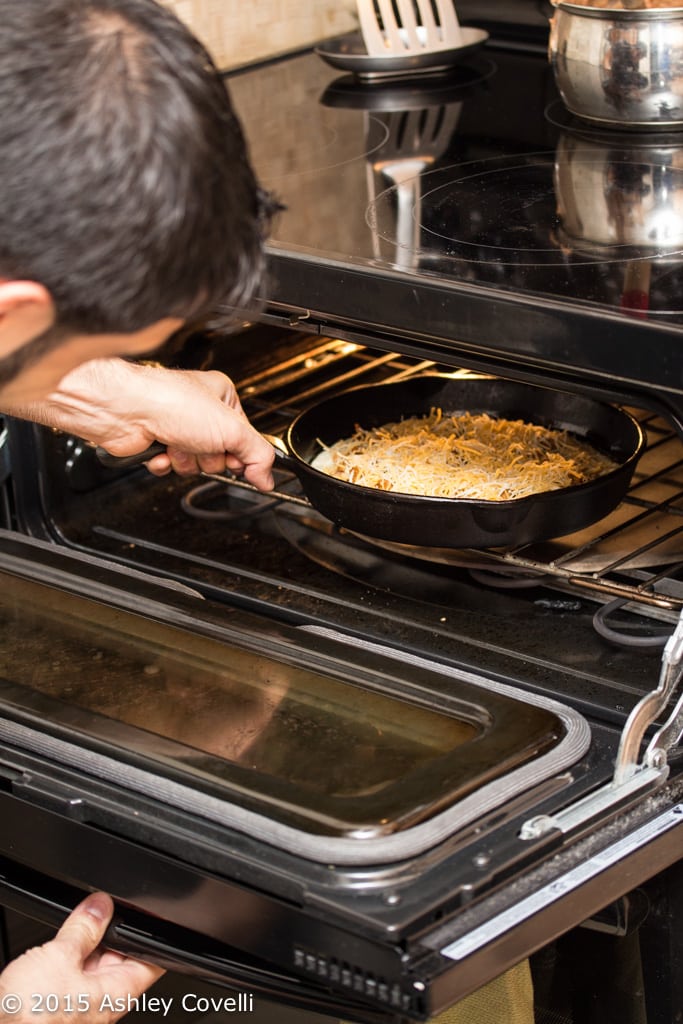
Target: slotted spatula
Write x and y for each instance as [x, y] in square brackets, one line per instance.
[403, 28]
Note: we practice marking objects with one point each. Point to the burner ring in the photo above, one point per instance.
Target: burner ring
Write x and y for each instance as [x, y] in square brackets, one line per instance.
[253, 503]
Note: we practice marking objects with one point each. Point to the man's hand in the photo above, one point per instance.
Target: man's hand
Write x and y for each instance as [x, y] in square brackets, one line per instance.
[69, 978]
[124, 407]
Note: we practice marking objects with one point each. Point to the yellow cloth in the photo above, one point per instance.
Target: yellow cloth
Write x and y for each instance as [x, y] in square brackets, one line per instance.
[508, 999]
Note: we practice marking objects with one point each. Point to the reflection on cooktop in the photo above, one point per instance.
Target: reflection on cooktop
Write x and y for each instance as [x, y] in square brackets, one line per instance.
[582, 203]
[410, 92]
[547, 216]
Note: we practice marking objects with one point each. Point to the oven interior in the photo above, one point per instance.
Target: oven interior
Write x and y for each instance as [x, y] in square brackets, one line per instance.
[622, 575]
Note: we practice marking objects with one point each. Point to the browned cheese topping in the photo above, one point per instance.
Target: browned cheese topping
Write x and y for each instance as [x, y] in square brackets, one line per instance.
[463, 455]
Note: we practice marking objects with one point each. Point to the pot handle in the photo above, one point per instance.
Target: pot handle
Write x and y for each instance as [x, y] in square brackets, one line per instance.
[282, 454]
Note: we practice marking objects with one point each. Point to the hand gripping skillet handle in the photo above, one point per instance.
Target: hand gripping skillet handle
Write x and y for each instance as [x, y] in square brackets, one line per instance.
[282, 454]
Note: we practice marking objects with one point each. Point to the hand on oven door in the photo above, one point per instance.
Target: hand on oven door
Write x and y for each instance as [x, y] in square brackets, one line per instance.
[70, 978]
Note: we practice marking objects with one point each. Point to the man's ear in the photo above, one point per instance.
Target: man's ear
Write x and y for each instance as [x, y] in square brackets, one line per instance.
[26, 311]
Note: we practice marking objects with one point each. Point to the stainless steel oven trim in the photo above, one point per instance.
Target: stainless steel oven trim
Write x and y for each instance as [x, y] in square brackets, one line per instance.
[571, 880]
[335, 850]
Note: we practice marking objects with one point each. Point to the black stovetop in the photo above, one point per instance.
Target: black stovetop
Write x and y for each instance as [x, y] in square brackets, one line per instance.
[470, 215]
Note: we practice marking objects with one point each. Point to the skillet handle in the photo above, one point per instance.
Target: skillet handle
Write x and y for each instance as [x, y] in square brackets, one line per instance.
[128, 461]
[282, 454]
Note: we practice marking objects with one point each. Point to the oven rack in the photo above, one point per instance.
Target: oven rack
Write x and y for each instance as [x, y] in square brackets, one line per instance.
[634, 557]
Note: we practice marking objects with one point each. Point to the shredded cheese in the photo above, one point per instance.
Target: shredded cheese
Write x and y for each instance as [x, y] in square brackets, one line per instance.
[463, 455]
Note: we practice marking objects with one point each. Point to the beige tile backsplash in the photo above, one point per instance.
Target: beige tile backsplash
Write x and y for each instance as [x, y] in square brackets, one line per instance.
[238, 32]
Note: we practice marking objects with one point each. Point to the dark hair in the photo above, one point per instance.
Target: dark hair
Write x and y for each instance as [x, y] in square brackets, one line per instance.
[125, 184]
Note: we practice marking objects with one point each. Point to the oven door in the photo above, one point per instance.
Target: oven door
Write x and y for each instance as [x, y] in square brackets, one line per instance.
[277, 809]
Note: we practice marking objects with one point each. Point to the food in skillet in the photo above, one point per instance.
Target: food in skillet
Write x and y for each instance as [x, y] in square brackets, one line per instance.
[463, 455]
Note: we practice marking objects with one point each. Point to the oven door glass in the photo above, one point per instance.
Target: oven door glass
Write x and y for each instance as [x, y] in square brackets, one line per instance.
[249, 738]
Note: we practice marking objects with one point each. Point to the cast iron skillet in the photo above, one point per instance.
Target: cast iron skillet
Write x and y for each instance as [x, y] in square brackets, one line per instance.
[455, 522]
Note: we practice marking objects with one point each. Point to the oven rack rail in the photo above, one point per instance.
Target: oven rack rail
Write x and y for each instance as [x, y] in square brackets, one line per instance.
[645, 568]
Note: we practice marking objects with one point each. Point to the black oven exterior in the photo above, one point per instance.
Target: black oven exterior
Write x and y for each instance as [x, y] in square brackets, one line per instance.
[300, 970]
[317, 937]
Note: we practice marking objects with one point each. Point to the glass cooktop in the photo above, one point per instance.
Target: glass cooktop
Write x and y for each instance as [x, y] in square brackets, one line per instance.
[471, 210]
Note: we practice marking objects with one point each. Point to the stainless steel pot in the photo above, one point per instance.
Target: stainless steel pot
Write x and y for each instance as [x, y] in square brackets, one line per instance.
[619, 67]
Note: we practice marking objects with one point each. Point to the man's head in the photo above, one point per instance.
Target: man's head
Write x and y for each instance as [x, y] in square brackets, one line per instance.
[126, 193]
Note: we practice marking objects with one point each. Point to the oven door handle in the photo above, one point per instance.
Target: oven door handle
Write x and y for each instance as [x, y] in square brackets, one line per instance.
[172, 950]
